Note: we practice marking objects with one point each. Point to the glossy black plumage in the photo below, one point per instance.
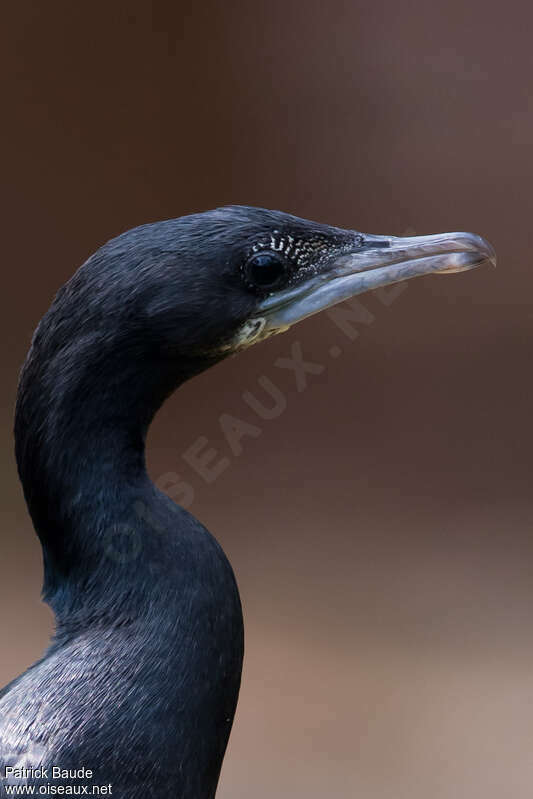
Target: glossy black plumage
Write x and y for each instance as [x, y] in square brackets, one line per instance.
[140, 682]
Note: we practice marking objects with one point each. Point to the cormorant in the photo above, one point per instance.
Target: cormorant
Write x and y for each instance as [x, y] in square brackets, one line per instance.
[139, 685]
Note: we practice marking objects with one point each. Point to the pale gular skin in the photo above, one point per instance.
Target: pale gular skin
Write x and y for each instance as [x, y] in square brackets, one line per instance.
[141, 680]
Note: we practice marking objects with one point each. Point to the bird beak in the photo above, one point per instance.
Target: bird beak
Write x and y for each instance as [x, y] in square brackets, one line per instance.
[377, 261]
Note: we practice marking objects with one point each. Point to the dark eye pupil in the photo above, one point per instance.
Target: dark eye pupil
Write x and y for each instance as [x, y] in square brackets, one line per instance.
[265, 269]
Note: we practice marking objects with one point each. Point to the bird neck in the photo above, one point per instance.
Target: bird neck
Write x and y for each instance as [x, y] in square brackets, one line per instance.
[123, 563]
[82, 416]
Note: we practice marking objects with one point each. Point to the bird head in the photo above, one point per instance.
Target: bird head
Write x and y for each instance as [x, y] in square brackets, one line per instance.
[191, 291]
[219, 281]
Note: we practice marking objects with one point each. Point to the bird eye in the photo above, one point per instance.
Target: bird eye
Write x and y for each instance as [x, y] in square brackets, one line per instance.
[265, 270]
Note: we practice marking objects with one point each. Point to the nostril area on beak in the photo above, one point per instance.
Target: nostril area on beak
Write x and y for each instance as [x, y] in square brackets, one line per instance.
[375, 242]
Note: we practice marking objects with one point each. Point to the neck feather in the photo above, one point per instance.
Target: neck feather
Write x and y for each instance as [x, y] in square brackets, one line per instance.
[82, 416]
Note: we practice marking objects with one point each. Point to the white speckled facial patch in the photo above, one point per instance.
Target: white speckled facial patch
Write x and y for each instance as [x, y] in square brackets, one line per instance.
[300, 251]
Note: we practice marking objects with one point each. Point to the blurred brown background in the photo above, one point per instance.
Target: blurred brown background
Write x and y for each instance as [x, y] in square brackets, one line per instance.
[380, 527]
